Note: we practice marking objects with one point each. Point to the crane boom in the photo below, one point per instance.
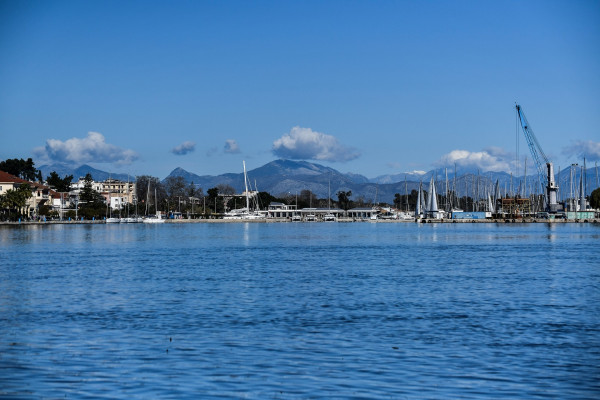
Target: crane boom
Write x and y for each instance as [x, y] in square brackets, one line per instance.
[534, 145]
[546, 174]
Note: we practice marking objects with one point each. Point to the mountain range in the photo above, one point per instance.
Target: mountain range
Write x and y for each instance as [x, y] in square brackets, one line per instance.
[80, 172]
[288, 177]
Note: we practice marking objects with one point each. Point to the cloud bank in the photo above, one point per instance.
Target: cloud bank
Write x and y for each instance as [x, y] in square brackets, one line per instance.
[581, 148]
[490, 159]
[184, 148]
[306, 144]
[92, 148]
[231, 147]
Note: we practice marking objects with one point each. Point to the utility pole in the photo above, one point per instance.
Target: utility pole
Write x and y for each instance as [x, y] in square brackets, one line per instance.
[572, 196]
[406, 193]
[584, 178]
[525, 179]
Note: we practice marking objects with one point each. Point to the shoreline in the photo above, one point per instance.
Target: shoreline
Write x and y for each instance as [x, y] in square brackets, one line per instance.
[281, 220]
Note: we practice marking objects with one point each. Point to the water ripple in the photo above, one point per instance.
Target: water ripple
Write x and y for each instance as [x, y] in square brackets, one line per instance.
[300, 311]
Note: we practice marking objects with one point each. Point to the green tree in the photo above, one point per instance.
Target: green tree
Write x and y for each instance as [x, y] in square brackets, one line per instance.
[226, 189]
[24, 169]
[398, 200]
[88, 194]
[14, 200]
[307, 199]
[59, 184]
[194, 191]
[93, 204]
[213, 201]
[595, 199]
[147, 197]
[175, 187]
[401, 200]
[344, 199]
[265, 199]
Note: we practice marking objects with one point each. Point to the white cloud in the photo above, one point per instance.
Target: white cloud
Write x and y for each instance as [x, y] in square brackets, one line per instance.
[231, 147]
[92, 148]
[184, 148]
[490, 159]
[306, 144]
[416, 172]
[582, 148]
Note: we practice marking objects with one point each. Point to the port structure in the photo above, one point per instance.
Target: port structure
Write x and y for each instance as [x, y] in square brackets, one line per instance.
[545, 172]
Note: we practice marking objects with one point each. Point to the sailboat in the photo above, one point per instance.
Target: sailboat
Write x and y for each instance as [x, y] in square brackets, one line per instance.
[419, 206]
[296, 217]
[375, 209]
[310, 217]
[128, 219]
[154, 219]
[329, 217]
[432, 205]
[245, 213]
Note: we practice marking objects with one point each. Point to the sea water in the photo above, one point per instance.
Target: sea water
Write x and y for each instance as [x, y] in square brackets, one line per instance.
[300, 310]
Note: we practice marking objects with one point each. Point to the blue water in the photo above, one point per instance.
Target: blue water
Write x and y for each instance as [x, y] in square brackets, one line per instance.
[304, 310]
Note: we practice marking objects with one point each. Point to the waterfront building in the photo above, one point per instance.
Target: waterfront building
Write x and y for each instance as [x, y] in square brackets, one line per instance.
[362, 213]
[280, 210]
[40, 194]
[117, 193]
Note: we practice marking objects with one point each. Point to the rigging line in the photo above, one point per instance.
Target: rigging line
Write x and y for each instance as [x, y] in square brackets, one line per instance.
[517, 143]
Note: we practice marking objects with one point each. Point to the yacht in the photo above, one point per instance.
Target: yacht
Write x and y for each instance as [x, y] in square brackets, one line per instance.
[329, 217]
[245, 213]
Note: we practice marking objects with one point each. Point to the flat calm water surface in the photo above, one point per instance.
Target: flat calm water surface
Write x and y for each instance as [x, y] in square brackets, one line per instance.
[300, 310]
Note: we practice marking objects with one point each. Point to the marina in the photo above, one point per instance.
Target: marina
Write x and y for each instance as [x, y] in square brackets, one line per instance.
[300, 200]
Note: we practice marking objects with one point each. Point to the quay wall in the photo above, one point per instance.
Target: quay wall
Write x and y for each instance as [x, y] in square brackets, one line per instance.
[283, 220]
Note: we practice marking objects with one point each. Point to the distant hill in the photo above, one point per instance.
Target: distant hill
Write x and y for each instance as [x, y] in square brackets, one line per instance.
[289, 177]
[282, 177]
[64, 169]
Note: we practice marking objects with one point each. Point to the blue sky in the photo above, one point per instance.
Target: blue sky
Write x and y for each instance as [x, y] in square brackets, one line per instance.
[366, 87]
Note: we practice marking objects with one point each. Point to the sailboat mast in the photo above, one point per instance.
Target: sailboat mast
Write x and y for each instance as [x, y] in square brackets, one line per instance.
[447, 192]
[147, 197]
[406, 192]
[454, 187]
[127, 195]
[246, 186]
[329, 196]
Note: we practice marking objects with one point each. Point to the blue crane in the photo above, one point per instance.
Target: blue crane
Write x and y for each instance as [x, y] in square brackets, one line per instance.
[545, 172]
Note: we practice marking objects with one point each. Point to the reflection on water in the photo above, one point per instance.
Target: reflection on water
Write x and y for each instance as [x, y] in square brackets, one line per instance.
[300, 311]
[246, 233]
